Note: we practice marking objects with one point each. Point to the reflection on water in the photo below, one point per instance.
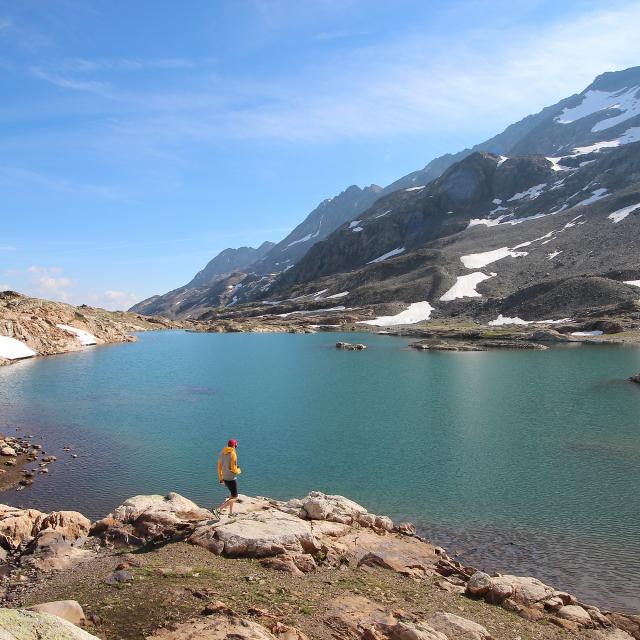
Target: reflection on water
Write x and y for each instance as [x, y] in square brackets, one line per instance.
[520, 461]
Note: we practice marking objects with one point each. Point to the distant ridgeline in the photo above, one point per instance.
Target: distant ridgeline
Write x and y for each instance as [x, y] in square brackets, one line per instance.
[540, 222]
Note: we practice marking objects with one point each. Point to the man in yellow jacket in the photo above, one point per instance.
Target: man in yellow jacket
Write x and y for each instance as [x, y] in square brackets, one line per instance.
[228, 470]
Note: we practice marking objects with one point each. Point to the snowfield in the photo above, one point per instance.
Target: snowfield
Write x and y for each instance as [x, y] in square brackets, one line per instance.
[83, 336]
[389, 254]
[12, 349]
[342, 294]
[465, 286]
[587, 333]
[417, 312]
[479, 260]
[635, 283]
[626, 101]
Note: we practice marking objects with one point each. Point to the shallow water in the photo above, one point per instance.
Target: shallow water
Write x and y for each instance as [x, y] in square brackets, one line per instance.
[521, 461]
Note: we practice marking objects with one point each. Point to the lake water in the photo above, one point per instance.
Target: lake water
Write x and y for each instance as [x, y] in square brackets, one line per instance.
[519, 461]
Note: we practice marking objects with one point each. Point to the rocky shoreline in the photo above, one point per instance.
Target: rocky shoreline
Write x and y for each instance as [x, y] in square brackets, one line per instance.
[317, 567]
[31, 327]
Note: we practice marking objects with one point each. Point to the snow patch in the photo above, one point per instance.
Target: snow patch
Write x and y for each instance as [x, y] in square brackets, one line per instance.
[354, 223]
[554, 255]
[389, 254]
[530, 194]
[342, 294]
[502, 320]
[587, 333]
[415, 188]
[83, 336]
[596, 195]
[465, 286]
[12, 349]
[556, 166]
[416, 312]
[487, 222]
[356, 229]
[383, 214]
[621, 214]
[629, 136]
[479, 260]
[634, 283]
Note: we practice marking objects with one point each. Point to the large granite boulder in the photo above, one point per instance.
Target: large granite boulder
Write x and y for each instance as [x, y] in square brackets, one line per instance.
[173, 506]
[69, 610]
[18, 525]
[16, 624]
[71, 523]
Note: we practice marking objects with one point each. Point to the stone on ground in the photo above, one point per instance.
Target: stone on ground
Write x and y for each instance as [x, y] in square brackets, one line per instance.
[69, 610]
[16, 624]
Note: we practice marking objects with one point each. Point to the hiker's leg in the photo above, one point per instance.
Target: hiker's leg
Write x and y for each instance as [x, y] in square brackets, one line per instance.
[231, 502]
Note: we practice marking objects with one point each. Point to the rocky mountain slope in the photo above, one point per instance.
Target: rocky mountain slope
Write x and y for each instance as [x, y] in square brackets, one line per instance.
[209, 287]
[31, 327]
[408, 244]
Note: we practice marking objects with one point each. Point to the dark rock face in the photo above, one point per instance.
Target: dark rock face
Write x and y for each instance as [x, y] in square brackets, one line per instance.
[229, 260]
[208, 286]
[320, 223]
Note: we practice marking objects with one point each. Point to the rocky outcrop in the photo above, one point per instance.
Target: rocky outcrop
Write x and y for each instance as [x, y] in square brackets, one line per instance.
[358, 617]
[224, 626]
[635, 378]
[534, 600]
[319, 532]
[16, 624]
[48, 328]
[38, 542]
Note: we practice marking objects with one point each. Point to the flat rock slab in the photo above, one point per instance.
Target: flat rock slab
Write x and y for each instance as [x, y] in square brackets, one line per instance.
[215, 628]
[16, 624]
[173, 506]
[403, 554]
[350, 615]
[257, 535]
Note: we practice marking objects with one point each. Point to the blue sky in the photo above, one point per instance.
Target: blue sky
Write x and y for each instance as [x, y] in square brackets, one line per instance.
[139, 139]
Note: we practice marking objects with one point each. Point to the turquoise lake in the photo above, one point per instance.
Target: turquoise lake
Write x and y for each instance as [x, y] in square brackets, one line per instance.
[519, 461]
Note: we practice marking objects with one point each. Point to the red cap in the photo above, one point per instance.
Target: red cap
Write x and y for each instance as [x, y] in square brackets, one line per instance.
[232, 443]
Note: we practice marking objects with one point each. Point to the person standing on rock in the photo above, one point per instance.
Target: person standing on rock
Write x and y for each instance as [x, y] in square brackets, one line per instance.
[228, 471]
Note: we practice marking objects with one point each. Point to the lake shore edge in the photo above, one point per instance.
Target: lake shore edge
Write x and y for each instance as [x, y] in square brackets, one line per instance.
[161, 542]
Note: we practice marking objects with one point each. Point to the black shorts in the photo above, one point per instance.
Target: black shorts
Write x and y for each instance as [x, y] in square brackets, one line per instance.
[232, 485]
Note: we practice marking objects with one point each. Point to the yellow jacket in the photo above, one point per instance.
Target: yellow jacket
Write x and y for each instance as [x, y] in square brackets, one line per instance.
[228, 467]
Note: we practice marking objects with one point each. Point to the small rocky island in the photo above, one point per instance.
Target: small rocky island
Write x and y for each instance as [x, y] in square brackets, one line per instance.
[163, 568]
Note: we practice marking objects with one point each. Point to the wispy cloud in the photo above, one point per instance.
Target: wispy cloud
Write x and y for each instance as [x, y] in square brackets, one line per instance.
[82, 65]
[16, 175]
[68, 82]
[406, 85]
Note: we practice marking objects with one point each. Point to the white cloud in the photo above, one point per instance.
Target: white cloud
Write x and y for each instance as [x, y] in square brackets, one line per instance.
[48, 282]
[120, 299]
